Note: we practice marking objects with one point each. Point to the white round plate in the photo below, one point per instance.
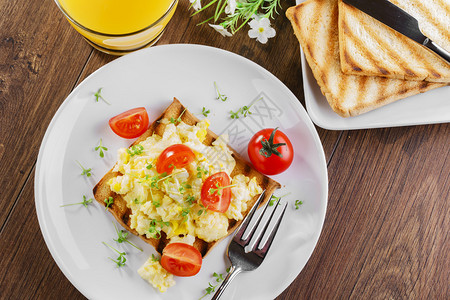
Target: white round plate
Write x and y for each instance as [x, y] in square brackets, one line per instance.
[151, 78]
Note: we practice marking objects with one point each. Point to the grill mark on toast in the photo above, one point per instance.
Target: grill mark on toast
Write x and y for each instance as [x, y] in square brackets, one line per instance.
[362, 88]
[355, 67]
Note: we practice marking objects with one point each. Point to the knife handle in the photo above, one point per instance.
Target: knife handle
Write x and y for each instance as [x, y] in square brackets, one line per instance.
[437, 49]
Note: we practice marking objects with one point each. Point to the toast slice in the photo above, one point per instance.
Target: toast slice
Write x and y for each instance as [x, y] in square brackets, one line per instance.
[368, 47]
[315, 24]
[121, 211]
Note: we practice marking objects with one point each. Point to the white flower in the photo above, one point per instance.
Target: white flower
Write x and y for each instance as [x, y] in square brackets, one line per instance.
[220, 29]
[197, 4]
[231, 7]
[260, 29]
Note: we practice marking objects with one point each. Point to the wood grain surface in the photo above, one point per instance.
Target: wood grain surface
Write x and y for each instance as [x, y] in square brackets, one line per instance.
[386, 230]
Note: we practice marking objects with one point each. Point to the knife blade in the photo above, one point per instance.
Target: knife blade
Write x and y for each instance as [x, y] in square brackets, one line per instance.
[399, 20]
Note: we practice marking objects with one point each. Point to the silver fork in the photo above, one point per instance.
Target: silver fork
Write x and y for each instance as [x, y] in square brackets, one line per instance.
[248, 261]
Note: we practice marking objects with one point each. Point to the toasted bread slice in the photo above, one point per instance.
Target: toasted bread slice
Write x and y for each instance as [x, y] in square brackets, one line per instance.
[368, 47]
[315, 23]
[122, 213]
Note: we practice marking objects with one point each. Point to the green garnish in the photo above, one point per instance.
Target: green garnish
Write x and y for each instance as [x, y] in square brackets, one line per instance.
[243, 111]
[219, 95]
[149, 166]
[219, 189]
[201, 171]
[108, 201]
[123, 237]
[203, 210]
[275, 198]
[155, 258]
[100, 148]
[120, 260]
[154, 231]
[205, 112]
[156, 203]
[86, 172]
[177, 120]
[98, 95]
[212, 288]
[135, 150]
[190, 199]
[85, 202]
[298, 203]
[185, 213]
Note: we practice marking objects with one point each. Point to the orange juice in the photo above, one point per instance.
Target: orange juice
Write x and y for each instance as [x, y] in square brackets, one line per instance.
[118, 25]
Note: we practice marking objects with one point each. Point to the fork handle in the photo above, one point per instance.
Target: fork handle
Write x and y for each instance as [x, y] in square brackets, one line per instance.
[233, 272]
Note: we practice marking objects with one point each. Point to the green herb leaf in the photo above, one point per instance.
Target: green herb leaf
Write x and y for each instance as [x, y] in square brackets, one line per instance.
[205, 112]
[98, 95]
[85, 171]
[123, 237]
[100, 148]
[219, 95]
[120, 260]
[298, 203]
[109, 201]
[85, 202]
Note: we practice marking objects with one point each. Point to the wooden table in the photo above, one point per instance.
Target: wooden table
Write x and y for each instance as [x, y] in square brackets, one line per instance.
[386, 229]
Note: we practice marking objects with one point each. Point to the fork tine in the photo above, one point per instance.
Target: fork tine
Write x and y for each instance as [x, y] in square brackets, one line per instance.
[237, 237]
[256, 225]
[263, 251]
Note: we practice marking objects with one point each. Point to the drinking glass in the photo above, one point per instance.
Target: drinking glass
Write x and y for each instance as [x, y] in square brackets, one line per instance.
[119, 26]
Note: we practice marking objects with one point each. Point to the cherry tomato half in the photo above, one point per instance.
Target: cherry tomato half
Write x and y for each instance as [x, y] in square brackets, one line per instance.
[270, 151]
[130, 124]
[216, 193]
[181, 259]
[177, 156]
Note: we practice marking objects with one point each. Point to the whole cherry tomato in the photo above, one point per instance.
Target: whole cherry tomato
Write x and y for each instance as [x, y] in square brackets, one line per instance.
[270, 151]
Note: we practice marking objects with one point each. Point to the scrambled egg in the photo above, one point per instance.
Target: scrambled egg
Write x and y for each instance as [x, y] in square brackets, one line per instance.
[171, 203]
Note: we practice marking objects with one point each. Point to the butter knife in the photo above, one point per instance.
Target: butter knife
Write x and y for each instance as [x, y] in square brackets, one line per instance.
[399, 20]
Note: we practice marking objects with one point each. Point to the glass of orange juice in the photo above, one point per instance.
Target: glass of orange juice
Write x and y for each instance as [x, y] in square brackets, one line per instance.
[119, 26]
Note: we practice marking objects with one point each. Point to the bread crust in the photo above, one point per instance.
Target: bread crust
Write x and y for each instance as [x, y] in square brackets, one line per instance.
[122, 212]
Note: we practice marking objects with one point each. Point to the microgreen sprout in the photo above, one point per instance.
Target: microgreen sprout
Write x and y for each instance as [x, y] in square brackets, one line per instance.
[85, 202]
[85, 171]
[201, 171]
[123, 237]
[219, 95]
[149, 166]
[98, 95]
[203, 210]
[205, 111]
[243, 111]
[154, 230]
[177, 120]
[120, 260]
[219, 189]
[297, 204]
[185, 213]
[275, 198]
[155, 258]
[156, 203]
[100, 148]
[108, 201]
[190, 199]
[212, 287]
[135, 150]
